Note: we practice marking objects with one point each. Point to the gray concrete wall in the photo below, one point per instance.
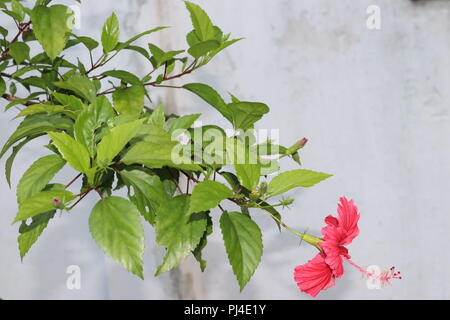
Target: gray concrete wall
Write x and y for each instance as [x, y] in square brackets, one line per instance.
[374, 104]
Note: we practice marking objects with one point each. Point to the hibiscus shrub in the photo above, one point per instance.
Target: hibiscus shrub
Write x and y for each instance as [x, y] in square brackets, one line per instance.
[101, 121]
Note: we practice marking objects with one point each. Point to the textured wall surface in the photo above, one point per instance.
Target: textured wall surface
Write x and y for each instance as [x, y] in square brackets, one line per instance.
[375, 105]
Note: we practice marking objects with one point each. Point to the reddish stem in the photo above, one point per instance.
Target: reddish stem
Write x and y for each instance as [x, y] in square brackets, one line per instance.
[82, 196]
[155, 83]
[73, 181]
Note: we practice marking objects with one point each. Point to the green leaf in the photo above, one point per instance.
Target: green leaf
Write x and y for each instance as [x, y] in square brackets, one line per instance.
[110, 33]
[12, 14]
[72, 151]
[156, 155]
[203, 48]
[245, 114]
[20, 51]
[3, 31]
[29, 234]
[139, 50]
[208, 195]
[178, 231]
[89, 43]
[245, 160]
[156, 149]
[18, 9]
[38, 176]
[248, 174]
[296, 157]
[268, 166]
[184, 122]
[222, 47]
[70, 102]
[34, 81]
[81, 85]
[51, 27]
[12, 90]
[90, 119]
[292, 179]
[10, 161]
[125, 76]
[201, 22]
[144, 206]
[192, 38]
[158, 117]
[21, 71]
[116, 227]
[116, 140]
[150, 186]
[41, 202]
[211, 96]
[129, 100]
[203, 242]
[243, 242]
[155, 134]
[36, 125]
[160, 57]
[2, 86]
[41, 108]
[232, 180]
[126, 44]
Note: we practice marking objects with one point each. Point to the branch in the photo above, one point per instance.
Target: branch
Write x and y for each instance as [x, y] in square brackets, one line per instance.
[99, 193]
[73, 181]
[14, 98]
[6, 75]
[188, 70]
[97, 64]
[185, 72]
[22, 27]
[82, 196]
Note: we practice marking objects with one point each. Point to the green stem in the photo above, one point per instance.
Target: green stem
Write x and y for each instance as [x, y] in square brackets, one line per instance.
[314, 241]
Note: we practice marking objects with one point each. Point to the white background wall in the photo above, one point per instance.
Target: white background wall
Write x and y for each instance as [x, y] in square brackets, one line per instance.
[374, 104]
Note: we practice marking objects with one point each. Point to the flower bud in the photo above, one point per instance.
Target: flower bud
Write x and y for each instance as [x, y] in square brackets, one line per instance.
[254, 195]
[57, 203]
[297, 146]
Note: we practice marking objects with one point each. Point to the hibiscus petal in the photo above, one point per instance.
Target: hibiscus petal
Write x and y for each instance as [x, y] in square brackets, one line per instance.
[348, 218]
[346, 221]
[334, 235]
[333, 256]
[314, 276]
[332, 221]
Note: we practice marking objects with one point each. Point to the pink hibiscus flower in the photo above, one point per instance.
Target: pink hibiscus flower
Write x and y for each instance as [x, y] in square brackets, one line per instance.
[320, 272]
